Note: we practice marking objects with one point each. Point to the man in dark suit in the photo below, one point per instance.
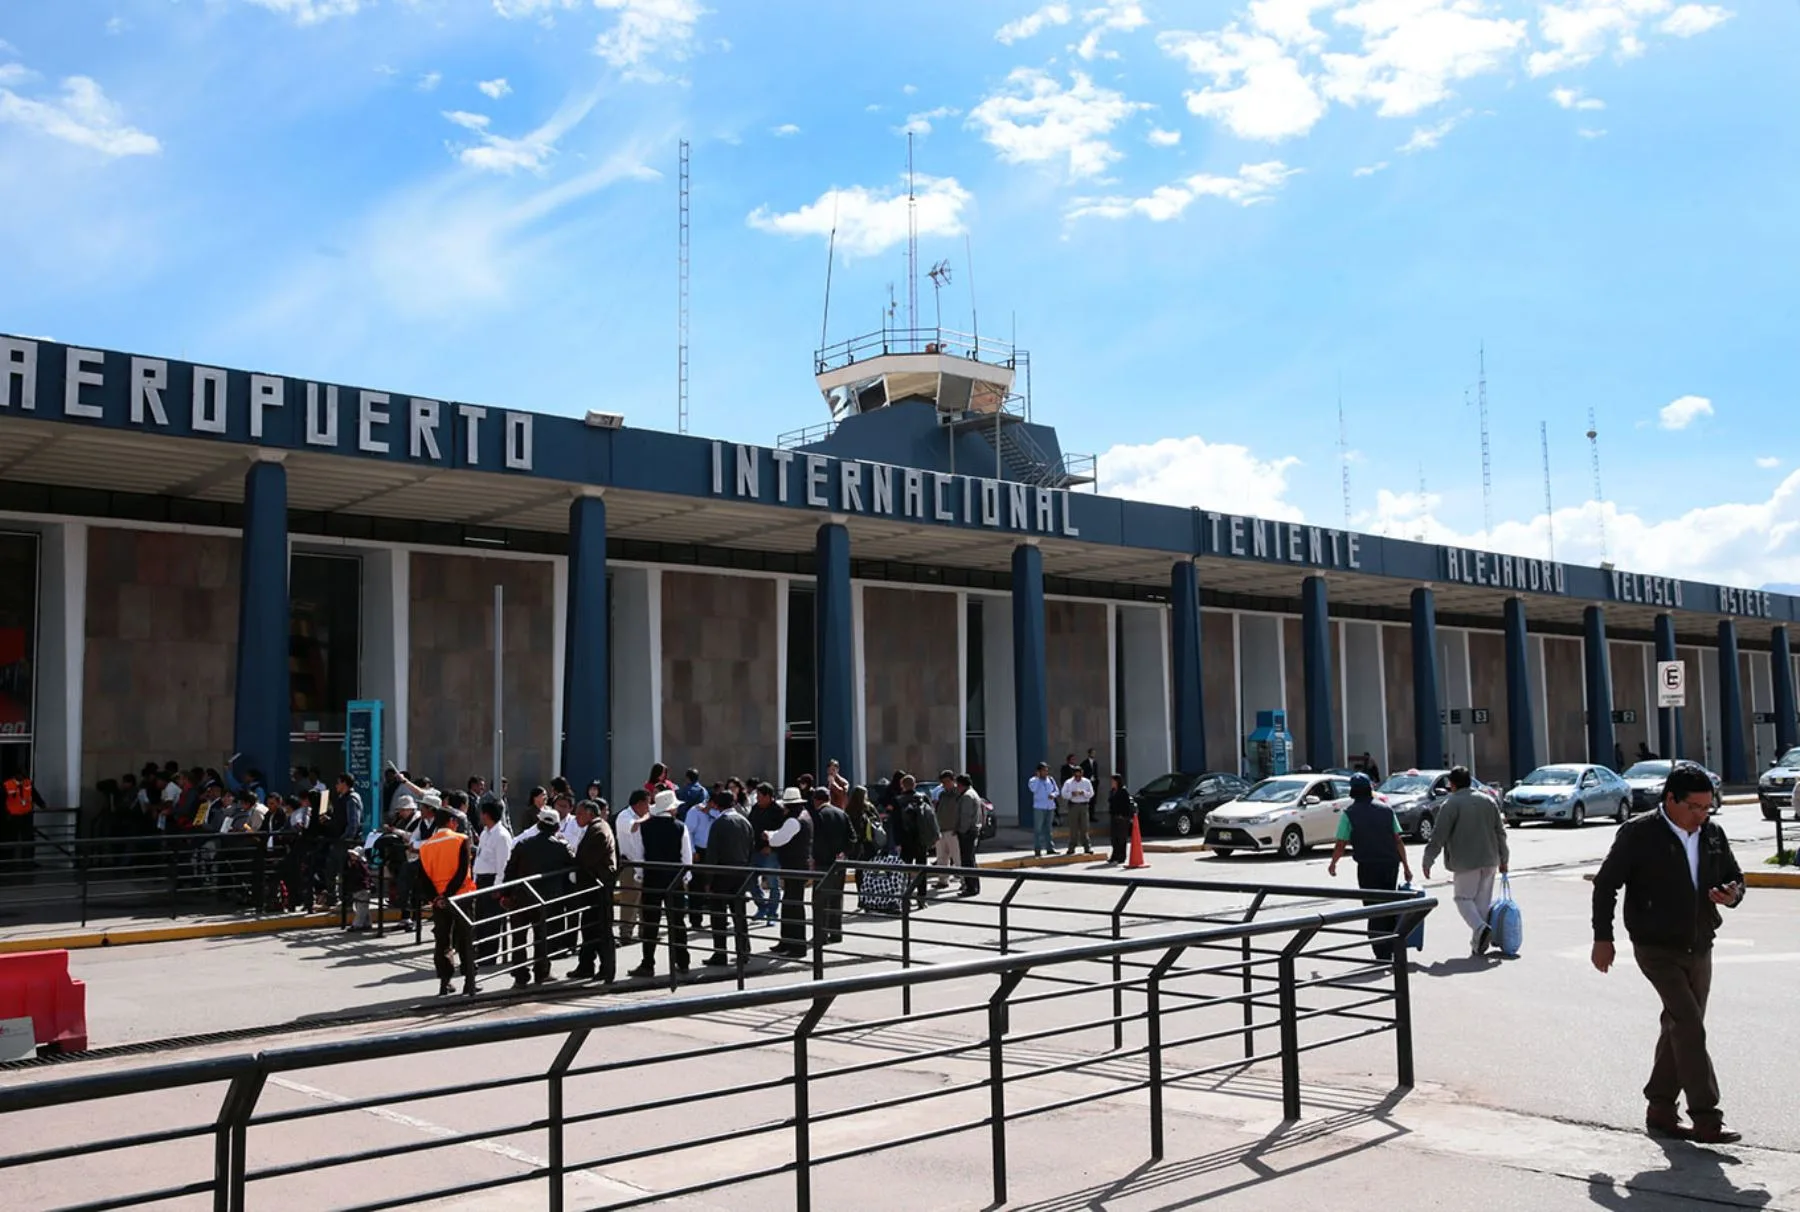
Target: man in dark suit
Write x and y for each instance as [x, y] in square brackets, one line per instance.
[1676, 868]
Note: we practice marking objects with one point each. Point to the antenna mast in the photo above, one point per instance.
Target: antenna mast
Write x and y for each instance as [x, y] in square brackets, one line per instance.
[830, 260]
[1344, 450]
[1593, 436]
[1487, 472]
[940, 277]
[681, 292]
[912, 242]
[1419, 535]
[1549, 510]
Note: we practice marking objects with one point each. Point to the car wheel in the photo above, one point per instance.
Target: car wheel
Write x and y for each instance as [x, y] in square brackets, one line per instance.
[1293, 843]
[1184, 824]
[1771, 814]
[1624, 813]
[1424, 829]
[1578, 816]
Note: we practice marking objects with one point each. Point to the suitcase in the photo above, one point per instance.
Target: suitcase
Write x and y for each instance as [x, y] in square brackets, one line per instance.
[1506, 922]
[882, 888]
[1416, 940]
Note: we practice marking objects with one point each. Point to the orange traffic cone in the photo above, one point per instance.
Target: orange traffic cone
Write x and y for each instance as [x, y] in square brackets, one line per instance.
[1136, 858]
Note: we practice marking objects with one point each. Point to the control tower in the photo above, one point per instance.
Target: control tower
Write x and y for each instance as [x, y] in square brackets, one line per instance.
[969, 384]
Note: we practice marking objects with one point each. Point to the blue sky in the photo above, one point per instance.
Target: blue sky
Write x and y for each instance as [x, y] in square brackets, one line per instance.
[1201, 218]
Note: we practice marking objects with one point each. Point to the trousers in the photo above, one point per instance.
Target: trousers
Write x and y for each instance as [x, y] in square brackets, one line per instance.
[945, 849]
[1121, 838]
[1682, 979]
[657, 896]
[452, 944]
[630, 884]
[597, 946]
[1474, 891]
[965, 844]
[1041, 841]
[725, 891]
[1386, 877]
[1078, 826]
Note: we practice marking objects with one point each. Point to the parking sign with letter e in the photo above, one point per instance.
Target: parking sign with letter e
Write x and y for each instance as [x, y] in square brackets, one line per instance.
[1671, 683]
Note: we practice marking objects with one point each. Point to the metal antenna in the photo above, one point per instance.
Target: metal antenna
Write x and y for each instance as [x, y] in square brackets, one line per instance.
[912, 242]
[681, 306]
[1593, 436]
[940, 278]
[1419, 535]
[1487, 471]
[974, 316]
[830, 260]
[1344, 450]
[1549, 509]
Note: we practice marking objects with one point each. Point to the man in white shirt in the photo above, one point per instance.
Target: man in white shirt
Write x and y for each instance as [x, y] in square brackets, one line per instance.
[631, 853]
[1078, 792]
[1044, 791]
[570, 830]
[491, 854]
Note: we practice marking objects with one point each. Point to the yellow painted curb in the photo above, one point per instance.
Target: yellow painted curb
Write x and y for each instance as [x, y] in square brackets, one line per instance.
[169, 934]
[1785, 878]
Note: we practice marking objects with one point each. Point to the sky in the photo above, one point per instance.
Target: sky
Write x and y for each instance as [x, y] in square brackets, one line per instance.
[1208, 224]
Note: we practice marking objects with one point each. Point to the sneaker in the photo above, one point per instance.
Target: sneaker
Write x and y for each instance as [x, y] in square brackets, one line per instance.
[642, 970]
[1483, 937]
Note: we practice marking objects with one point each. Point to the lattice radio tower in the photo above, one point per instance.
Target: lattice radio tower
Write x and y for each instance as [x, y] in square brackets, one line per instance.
[1487, 470]
[1593, 436]
[1344, 451]
[912, 242]
[1549, 510]
[681, 296]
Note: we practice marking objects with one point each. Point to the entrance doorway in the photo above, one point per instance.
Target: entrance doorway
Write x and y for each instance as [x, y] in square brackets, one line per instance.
[324, 657]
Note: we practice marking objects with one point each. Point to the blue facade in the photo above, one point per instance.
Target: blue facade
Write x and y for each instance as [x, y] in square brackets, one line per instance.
[1521, 718]
[1733, 768]
[1315, 648]
[1428, 728]
[1185, 655]
[1597, 666]
[260, 727]
[587, 693]
[836, 652]
[1668, 719]
[1781, 658]
[1031, 698]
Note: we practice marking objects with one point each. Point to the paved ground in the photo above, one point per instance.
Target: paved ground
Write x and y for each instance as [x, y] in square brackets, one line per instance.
[1529, 1074]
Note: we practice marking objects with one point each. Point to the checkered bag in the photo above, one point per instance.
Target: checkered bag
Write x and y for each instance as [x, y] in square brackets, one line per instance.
[881, 888]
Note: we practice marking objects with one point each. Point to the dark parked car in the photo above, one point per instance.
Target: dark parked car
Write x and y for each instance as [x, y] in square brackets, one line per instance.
[1775, 789]
[1646, 781]
[1414, 795]
[1178, 802]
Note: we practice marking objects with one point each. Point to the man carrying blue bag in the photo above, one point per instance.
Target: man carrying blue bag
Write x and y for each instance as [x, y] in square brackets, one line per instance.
[1371, 832]
[1471, 835]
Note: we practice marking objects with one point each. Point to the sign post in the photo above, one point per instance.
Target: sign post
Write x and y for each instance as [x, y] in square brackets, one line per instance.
[362, 756]
[1671, 683]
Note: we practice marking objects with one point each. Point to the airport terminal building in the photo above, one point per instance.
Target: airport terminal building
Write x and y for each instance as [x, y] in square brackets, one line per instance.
[197, 561]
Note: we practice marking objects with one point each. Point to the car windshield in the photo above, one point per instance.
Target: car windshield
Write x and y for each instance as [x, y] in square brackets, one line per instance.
[1405, 784]
[1275, 791]
[1549, 776]
[1790, 758]
[1648, 770]
[1167, 785]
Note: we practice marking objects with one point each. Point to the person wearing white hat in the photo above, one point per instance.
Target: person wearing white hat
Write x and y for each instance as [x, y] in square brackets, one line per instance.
[793, 847]
[542, 856]
[668, 853]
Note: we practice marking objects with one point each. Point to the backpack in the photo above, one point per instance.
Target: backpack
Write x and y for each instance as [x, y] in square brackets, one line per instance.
[922, 823]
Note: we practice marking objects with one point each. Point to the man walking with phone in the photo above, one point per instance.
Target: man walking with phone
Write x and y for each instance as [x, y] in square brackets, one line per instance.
[1676, 869]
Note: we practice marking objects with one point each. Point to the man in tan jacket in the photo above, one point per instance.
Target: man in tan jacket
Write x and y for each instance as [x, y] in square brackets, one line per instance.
[1471, 835]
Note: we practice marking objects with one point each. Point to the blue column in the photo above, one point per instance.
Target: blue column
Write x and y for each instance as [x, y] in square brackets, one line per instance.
[1781, 661]
[1521, 716]
[1733, 768]
[1184, 649]
[260, 723]
[1598, 665]
[587, 671]
[1315, 655]
[1031, 701]
[835, 666]
[1668, 719]
[1428, 727]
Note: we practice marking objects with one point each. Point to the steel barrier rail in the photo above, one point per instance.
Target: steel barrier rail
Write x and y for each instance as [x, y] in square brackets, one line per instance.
[1158, 957]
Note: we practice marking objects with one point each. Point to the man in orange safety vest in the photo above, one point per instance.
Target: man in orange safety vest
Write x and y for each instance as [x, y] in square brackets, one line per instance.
[445, 862]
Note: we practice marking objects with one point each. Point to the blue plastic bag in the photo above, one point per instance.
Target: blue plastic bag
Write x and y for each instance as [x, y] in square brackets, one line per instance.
[1506, 922]
[1416, 940]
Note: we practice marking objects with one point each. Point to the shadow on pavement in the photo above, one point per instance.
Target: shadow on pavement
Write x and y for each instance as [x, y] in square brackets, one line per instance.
[1262, 1159]
[1695, 1174]
[1462, 965]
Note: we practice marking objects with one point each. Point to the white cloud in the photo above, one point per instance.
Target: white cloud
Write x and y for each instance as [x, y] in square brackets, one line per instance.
[1162, 138]
[1033, 23]
[870, 222]
[117, 25]
[1254, 183]
[1424, 138]
[1414, 50]
[531, 152]
[1258, 89]
[1572, 98]
[909, 89]
[786, 130]
[1112, 16]
[1684, 411]
[1033, 119]
[645, 29]
[1768, 462]
[82, 115]
[1194, 472]
[1744, 543]
[530, 8]
[920, 124]
[1692, 19]
[495, 89]
[1369, 170]
[1592, 132]
[429, 81]
[310, 12]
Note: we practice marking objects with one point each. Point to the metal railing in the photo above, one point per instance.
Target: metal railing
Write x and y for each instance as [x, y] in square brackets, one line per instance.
[192, 873]
[1005, 1037]
[934, 340]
